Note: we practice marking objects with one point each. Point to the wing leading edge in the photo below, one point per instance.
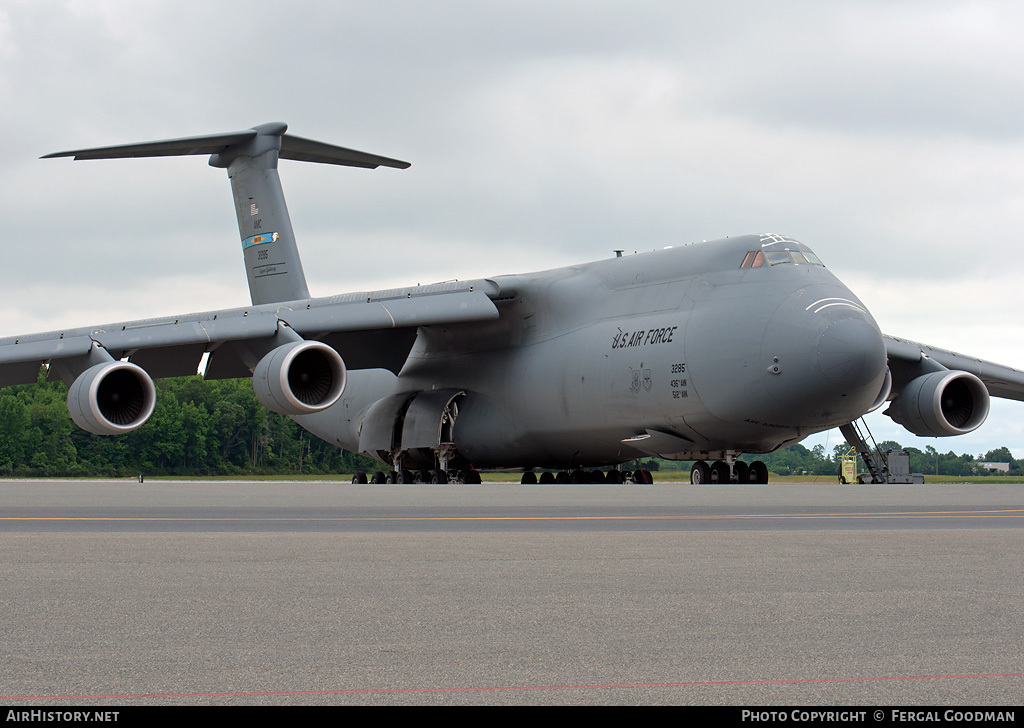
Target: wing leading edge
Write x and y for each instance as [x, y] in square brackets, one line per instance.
[377, 328]
[906, 358]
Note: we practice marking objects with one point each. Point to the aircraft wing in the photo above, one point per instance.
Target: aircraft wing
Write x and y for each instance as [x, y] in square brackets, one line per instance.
[368, 330]
[906, 359]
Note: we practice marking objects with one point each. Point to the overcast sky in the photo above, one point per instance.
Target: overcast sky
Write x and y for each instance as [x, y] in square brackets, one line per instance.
[888, 136]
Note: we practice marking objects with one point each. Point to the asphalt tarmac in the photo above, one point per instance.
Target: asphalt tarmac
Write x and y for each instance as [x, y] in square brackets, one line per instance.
[229, 593]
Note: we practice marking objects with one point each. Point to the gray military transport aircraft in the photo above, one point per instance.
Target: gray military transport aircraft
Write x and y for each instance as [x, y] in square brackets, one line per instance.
[701, 352]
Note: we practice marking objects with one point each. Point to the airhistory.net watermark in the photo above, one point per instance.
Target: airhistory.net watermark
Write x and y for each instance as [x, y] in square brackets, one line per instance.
[62, 716]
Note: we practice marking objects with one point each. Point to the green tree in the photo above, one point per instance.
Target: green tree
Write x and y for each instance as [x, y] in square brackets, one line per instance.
[999, 455]
[14, 422]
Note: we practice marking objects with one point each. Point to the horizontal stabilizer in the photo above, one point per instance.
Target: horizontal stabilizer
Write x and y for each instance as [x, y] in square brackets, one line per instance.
[307, 150]
[207, 144]
[292, 147]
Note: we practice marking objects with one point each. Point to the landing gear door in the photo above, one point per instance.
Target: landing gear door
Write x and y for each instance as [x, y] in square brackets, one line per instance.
[382, 425]
[430, 419]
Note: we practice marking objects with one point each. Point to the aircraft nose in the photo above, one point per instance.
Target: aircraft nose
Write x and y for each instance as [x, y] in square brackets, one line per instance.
[825, 358]
[851, 353]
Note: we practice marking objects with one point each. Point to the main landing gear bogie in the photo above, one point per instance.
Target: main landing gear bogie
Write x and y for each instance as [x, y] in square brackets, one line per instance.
[407, 477]
[756, 473]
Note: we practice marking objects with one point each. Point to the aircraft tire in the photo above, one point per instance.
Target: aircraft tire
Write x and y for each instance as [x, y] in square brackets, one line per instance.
[529, 478]
[391, 478]
[742, 471]
[359, 479]
[378, 478]
[758, 473]
[700, 473]
[546, 478]
[471, 477]
[720, 472]
[438, 477]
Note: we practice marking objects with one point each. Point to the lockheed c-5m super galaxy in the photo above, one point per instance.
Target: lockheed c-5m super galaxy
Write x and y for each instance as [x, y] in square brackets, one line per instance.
[701, 352]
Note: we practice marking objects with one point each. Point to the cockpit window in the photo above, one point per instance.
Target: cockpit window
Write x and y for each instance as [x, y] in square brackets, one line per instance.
[753, 259]
[757, 258]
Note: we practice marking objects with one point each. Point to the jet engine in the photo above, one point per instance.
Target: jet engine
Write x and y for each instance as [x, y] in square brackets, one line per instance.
[941, 404]
[299, 378]
[111, 398]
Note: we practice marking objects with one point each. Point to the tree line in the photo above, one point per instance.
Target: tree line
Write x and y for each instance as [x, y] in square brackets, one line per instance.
[198, 428]
[798, 459]
[218, 427]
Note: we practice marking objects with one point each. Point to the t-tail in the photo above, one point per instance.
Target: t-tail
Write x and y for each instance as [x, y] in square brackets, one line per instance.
[268, 243]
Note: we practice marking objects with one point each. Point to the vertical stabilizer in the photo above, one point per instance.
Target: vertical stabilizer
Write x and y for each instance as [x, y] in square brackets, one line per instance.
[268, 244]
[272, 262]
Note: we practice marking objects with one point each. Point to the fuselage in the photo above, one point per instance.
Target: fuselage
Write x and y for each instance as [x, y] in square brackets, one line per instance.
[738, 345]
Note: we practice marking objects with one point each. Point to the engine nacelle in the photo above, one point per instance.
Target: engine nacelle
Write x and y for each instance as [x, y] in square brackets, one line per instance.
[299, 378]
[111, 398]
[941, 404]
